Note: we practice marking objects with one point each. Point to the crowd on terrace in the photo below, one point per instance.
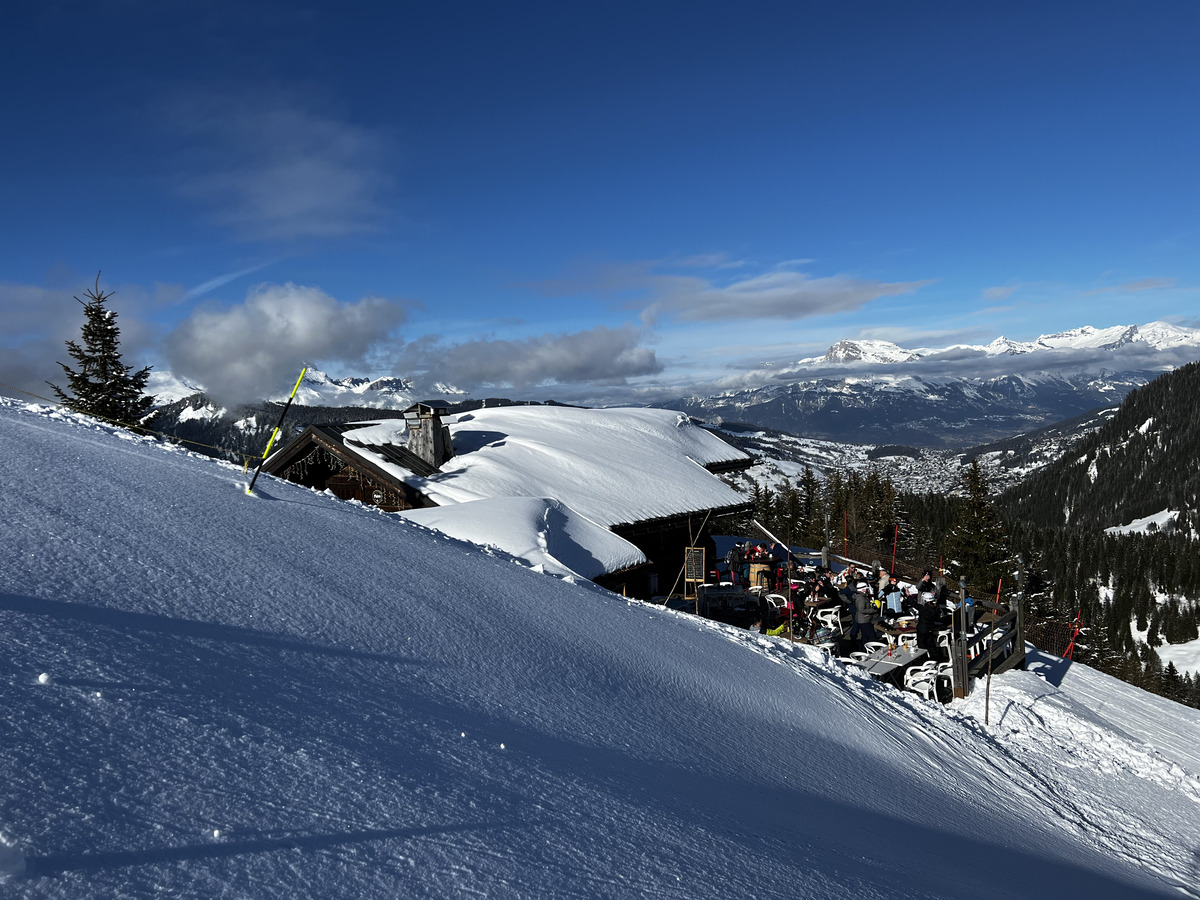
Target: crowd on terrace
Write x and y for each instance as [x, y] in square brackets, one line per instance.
[897, 629]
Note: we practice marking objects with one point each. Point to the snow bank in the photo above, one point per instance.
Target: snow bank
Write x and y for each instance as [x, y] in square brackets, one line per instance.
[12, 861]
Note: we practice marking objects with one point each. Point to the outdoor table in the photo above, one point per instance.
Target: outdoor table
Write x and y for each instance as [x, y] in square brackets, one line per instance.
[896, 628]
[887, 666]
[709, 596]
[724, 591]
[814, 602]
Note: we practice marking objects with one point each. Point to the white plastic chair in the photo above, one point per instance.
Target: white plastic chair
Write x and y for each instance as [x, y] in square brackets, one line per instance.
[921, 681]
[858, 656]
[872, 646]
[830, 618]
[944, 673]
[907, 641]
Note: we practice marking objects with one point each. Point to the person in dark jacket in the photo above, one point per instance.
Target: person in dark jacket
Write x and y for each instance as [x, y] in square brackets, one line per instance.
[734, 561]
[926, 584]
[864, 613]
[824, 588]
[929, 622]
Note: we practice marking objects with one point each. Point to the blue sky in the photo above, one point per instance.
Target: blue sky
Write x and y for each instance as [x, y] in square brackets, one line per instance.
[589, 202]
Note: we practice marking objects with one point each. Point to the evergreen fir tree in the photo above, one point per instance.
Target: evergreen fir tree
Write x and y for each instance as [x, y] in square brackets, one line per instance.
[103, 386]
[978, 542]
[812, 510]
[1173, 685]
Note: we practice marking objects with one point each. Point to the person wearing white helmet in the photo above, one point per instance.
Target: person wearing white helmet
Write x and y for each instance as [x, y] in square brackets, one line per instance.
[929, 620]
[864, 612]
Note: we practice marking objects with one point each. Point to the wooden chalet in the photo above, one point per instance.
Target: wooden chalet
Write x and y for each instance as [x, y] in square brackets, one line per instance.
[645, 475]
[332, 458]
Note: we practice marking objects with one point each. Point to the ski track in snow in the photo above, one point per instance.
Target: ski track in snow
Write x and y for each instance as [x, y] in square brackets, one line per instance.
[1033, 751]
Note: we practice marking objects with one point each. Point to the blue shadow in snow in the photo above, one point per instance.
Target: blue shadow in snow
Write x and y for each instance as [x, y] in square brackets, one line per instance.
[121, 620]
[51, 866]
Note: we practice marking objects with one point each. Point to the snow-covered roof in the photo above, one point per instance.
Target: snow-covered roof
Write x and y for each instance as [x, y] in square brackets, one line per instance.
[544, 534]
[614, 466]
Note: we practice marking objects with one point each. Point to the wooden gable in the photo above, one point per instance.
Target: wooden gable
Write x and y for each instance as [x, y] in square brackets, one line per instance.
[318, 458]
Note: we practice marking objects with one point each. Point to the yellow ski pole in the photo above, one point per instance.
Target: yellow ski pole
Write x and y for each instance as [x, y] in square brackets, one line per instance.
[275, 433]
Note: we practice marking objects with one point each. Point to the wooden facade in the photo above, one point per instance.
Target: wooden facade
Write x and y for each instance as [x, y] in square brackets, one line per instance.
[665, 541]
[318, 458]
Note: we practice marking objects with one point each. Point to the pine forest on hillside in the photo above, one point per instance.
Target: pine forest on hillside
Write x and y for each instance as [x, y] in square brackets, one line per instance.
[1140, 462]
[1113, 583]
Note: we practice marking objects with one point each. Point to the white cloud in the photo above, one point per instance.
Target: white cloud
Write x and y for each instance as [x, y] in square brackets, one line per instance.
[250, 350]
[1001, 292]
[606, 356]
[274, 169]
[1134, 287]
[782, 293]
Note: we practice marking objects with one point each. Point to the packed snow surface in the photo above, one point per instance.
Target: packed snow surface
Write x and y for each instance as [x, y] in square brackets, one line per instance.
[285, 695]
[614, 466]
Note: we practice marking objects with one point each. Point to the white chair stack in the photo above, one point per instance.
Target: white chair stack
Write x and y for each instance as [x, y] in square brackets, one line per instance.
[922, 680]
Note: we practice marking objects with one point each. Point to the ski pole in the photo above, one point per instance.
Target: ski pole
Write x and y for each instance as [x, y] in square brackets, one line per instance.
[275, 433]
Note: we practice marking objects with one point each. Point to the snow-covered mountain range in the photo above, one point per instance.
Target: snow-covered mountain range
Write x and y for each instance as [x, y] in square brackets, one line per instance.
[872, 391]
[1154, 336]
[316, 389]
[287, 695]
[865, 392]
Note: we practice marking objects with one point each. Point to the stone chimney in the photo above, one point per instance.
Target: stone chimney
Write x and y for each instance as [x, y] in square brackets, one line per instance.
[428, 438]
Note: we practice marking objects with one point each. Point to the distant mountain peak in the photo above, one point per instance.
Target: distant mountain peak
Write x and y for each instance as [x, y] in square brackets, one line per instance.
[319, 389]
[869, 351]
[1002, 346]
[1089, 338]
[873, 391]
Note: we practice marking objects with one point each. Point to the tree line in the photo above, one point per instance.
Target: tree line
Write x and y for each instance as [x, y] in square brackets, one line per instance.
[1130, 593]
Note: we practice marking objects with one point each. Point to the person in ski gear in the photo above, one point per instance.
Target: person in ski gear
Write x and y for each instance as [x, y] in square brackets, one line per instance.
[929, 621]
[925, 585]
[733, 560]
[823, 588]
[846, 579]
[893, 597]
[864, 613]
